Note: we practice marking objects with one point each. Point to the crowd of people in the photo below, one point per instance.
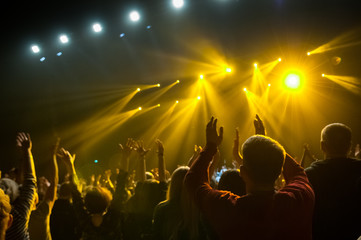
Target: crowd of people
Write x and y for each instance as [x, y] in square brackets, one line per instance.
[267, 195]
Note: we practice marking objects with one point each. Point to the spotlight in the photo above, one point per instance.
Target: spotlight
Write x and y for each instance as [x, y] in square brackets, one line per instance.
[59, 54]
[201, 76]
[293, 81]
[149, 27]
[177, 81]
[122, 35]
[279, 59]
[35, 48]
[138, 89]
[140, 108]
[64, 39]
[42, 59]
[95, 161]
[158, 85]
[178, 3]
[269, 84]
[228, 70]
[323, 75]
[97, 27]
[199, 97]
[255, 65]
[134, 16]
[245, 89]
[308, 53]
[177, 101]
[158, 105]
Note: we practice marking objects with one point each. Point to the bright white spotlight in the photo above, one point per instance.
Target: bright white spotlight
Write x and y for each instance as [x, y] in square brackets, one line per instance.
[140, 108]
[42, 59]
[177, 101]
[122, 35]
[293, 81]
[64, 39]
[134, 16]
[59, 54]
[97, 27]
[138, 89]
[178, 3]
[35, 48]
[149, 27]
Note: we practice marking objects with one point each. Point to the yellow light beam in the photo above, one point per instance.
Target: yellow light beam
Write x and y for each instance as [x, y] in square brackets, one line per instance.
[348, 82]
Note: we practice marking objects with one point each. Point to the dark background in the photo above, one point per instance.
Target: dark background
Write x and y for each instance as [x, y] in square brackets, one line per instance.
[49, 98]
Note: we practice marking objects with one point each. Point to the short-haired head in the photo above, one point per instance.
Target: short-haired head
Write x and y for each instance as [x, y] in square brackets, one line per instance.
[263, 158]
[97, 200]
[336, 139]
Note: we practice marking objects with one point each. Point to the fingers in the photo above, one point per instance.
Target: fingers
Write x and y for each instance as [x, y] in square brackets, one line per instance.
[221, 133]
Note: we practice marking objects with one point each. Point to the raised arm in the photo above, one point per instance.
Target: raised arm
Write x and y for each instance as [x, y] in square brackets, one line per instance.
[236, 156]
[161, 162]
[126, 150]
[142, 152]
[50, 194]
[68, 161]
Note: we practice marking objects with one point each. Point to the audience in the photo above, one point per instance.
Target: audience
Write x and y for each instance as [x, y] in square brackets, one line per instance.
[336, 181]
[268, 195]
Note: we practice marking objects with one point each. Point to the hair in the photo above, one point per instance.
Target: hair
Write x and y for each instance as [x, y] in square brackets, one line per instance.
[65, 190]
[337, 137]
[5, 209]
[176, 183]
[232, 181]
[10, 188]
[97, 200]
[263, 158]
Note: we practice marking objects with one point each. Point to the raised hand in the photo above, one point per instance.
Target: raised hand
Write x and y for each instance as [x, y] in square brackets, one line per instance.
[23, 141]
[160, 147]
[67, 158]
[128, 147]
[259, 126]
[139, 147]
[237, 157]
[212, 134]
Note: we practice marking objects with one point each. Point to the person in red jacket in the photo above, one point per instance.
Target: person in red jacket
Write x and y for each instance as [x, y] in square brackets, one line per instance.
[263, 213]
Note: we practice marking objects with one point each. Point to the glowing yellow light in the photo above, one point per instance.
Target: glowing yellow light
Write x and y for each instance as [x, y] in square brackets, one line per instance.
[158, 105]
[228, 70]
[269, 84]
[177, 81]
[177, 101]
[158, 85]
[279, 59]
[138, 89]
[255, 65]
[308, 53]
[323, 75]
[140, 108]
[199, 97]
[245, 89]
[293, 81]
[201, 76]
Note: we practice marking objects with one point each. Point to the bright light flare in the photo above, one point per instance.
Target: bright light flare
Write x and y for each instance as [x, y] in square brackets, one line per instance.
[138, 89]
[177, 101]
[64, 39]
[140, 108]
[228, 70]
[177, 81]
[279, 59]
[158, 85]
[293, 81]
[199, 98]
[97, 27]
[308, 53]
[178, 3]
[269, 84]
[35, 48]
[158, 105]
[323, 75]
[255, 65]
[245, 89]
[201, 76]
[134, 16]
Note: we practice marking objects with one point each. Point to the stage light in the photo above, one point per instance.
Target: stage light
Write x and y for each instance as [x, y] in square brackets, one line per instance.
[279, 59]
[59, 54]
[149, 27]
[178, 3]
[42, 59]
[199, 97]
[269, 84]
[64, 39]
[140, 108]
[122, 35]
[138, 89]
[245, 89]
[35, 48]
[97, 27]
[308, 53]
[228, 70]
[134, 16]
[158, 85]
[177, 101]
[158, 105]
[201, 76]
[293, 81]
[95, 161]
[255, 65]
[177, 81]
[323, 75]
